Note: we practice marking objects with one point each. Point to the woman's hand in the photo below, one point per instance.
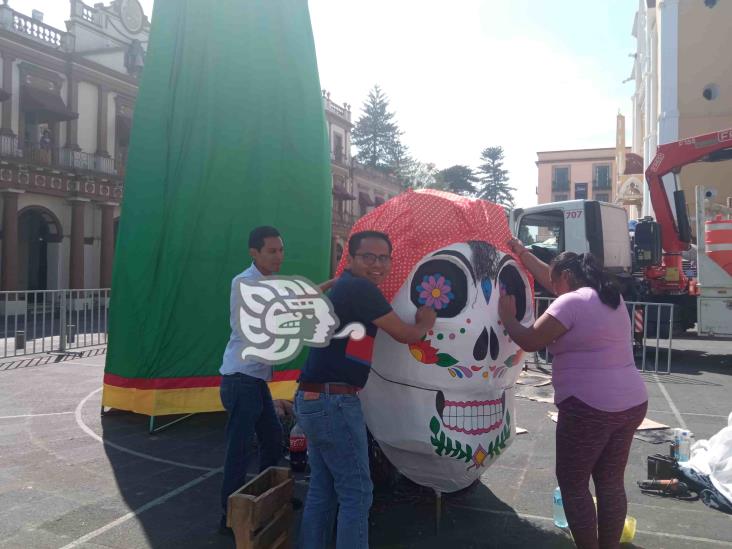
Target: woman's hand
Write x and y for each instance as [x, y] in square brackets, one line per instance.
[507, 309]
[517, 247]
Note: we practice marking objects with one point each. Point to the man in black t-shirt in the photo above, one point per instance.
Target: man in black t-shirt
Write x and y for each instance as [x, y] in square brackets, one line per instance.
[327, 404]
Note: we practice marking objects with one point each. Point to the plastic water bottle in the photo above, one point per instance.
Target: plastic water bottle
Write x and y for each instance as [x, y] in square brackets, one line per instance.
[560, 520]
[683, 443]
[298, 449]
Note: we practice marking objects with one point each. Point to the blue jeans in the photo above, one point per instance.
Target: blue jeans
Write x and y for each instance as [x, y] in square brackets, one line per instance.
[248, 403]
[339, 467]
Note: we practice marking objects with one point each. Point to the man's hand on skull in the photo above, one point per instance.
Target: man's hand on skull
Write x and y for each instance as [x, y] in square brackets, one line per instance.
[283, 408]
[507, 308]
[426, 317]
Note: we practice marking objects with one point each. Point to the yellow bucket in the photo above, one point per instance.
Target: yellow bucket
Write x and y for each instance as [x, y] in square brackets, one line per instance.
[628, 530]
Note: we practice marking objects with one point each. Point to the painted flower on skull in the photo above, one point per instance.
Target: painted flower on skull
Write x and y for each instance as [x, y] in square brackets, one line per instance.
[424, 352]
[435, 291]
[441, 408]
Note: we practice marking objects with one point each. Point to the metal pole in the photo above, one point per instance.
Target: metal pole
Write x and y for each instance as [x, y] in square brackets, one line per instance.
[43, 325]
[5, 332]
[670, 343]
[645, 330]
[658, 334]
[62, 321]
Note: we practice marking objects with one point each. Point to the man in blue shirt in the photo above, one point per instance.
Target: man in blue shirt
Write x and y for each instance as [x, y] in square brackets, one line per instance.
[327, 404]
[244, 390]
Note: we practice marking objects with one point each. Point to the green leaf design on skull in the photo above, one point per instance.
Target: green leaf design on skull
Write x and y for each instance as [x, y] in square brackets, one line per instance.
[445, 360]
[445, 446]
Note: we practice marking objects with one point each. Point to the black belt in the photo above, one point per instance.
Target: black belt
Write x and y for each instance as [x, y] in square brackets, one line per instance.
[329, 388]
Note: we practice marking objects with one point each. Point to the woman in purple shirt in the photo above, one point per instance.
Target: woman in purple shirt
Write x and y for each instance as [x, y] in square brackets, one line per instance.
[601, 397]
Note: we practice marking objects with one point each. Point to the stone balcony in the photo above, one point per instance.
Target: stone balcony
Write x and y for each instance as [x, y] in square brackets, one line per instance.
[18, 23]
[342, 111]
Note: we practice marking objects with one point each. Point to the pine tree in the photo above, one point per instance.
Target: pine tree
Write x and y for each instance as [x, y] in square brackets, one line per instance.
[400, 163]
[457, 179]
[419, 175]
[377, 135]
[494, 185]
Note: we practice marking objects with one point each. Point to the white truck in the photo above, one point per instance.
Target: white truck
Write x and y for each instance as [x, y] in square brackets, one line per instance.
[658, 264]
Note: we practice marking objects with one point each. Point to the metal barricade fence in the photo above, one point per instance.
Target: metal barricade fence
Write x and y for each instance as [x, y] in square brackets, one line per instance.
[651, 329]
[52, 321]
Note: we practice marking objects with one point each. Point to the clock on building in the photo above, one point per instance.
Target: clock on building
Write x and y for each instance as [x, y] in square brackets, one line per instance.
[132, 15]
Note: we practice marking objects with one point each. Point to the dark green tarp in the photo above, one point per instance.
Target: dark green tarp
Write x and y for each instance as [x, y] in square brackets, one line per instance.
[229, 133]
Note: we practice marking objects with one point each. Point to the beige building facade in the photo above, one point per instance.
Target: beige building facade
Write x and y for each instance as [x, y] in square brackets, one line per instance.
[357, 189]
[67, 105]
[589, 174]
[67, 102]
[683, 84]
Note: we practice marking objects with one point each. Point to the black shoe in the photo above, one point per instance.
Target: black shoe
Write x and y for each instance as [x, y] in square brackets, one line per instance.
[223, 529]
[296, 504]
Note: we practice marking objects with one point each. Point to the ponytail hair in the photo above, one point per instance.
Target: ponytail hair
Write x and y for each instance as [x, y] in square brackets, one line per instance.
[587, 271]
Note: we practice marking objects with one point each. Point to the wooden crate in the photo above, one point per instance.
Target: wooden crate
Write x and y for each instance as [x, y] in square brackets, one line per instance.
[260, 512]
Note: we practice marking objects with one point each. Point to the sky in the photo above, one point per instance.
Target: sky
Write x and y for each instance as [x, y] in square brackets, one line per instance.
[528, 75]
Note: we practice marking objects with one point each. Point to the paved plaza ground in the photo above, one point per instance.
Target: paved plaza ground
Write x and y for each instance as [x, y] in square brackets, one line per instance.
[70, 477]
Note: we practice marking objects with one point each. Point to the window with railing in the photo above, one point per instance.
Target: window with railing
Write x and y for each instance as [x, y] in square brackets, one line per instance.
[602, 197]
[560, 178]
[45, 154]
[580, 191]
[601, 176]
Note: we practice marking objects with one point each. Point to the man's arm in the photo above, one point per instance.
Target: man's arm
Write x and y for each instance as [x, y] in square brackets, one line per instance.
[407, 333]
[327, 285]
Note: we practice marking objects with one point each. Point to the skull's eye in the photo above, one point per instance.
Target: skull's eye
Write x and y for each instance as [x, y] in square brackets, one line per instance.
[442, 285]
[512, 283]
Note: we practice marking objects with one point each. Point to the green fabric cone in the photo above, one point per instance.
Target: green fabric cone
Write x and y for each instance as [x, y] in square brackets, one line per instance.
[229, 133]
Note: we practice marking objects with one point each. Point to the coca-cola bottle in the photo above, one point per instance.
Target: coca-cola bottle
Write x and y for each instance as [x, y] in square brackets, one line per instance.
[298, 449]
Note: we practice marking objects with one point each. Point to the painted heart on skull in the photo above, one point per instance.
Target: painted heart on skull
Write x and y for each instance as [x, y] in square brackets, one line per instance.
[442, 409]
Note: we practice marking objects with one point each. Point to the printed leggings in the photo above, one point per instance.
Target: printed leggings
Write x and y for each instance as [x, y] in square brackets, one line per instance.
[594, 443]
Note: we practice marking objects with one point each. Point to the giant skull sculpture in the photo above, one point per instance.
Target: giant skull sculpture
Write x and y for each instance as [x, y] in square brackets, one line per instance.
[442, 410]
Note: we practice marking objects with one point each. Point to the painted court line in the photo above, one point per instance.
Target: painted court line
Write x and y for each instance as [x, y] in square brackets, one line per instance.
[37, 415]
[80, 363]
[671, 404]
[549, 519]
[132, 514]
[688, 414]
[84, 427]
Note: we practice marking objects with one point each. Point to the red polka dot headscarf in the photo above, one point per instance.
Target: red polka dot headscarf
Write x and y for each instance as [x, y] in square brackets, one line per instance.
[419, 222]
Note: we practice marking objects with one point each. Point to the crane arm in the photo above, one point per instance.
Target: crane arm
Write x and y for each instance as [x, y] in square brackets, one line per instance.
[661, 175]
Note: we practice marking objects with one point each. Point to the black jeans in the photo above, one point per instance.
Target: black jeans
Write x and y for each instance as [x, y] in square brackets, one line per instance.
[248, 403]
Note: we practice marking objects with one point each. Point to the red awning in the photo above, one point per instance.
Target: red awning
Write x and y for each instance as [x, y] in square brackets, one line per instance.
[365, 200]
[339, 191]
[47, 106]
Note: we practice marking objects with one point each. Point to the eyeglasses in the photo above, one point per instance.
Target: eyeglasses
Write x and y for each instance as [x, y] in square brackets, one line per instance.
[370, 259]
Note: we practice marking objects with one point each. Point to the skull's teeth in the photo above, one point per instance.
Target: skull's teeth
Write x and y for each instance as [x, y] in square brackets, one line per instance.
[472, 417]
